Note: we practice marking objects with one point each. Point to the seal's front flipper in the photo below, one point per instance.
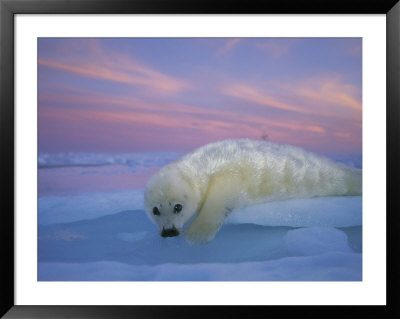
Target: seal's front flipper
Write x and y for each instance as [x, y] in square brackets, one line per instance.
[213, 212]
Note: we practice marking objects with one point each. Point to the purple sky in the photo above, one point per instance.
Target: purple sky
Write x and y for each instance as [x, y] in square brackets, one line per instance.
[175, 94]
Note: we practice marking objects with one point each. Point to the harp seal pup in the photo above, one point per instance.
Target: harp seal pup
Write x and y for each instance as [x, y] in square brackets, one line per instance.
[207, 184]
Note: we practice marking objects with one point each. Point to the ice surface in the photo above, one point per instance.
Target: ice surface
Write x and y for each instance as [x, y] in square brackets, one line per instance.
[92, 226]
[126, 246]
[331, 266]
[135, 160]
[69, 208]
[341, 211]
[320, 211]
[315, 240]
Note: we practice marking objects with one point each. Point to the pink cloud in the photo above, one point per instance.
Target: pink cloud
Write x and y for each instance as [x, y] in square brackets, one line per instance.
[117, 68]
[172, 129]
[228, 46]
[345, 135]
[326, 96]
[179, 115]
[330, 90]
[133, 129]
[124, 102]
[263, 98]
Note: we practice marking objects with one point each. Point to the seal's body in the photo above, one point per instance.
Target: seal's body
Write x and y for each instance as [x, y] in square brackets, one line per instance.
[219, 177]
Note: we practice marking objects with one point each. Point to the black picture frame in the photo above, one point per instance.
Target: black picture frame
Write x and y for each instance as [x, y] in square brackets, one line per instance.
[9, 8]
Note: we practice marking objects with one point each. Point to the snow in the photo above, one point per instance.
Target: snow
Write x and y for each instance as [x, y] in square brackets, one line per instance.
[325, 267]
[126, 246]
[69, 208]
[314, 241]
[341, 211]
[139, 161]
[93, 234]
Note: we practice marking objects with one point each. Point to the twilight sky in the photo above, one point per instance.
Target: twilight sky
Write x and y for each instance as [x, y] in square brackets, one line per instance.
[175, 94]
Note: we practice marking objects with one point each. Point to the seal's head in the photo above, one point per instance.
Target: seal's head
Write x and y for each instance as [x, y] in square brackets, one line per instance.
[170, 200]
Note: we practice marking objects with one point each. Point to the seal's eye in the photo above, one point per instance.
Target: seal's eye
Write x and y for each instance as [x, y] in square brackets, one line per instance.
[156, 211]
[177, 208]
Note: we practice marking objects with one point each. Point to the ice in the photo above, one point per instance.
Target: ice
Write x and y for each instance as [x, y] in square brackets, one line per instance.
[320, 211]
[331, 266]
[92, 227]
[135, 160]
[69, 208]
[315, 240]
[343, 211]
[131, 237]
[126, 246]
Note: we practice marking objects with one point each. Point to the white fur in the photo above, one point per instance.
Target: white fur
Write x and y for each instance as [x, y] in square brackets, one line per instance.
[219, 177]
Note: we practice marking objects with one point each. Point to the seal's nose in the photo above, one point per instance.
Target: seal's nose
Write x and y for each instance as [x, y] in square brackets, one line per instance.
[171, 232]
